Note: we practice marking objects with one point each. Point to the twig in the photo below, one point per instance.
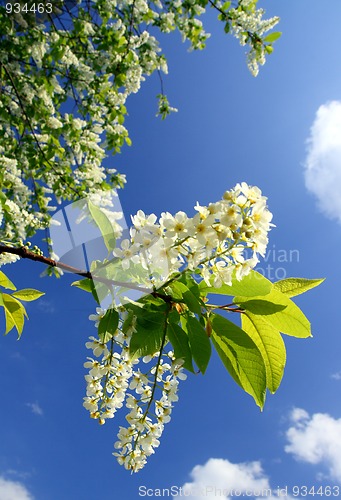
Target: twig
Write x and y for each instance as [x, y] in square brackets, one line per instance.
[24, 253]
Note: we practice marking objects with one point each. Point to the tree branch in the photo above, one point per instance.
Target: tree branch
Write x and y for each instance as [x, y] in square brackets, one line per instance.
[24, 253]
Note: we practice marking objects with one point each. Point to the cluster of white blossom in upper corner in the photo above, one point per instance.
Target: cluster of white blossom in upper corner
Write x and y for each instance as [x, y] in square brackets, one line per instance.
[222, 238]
[113, 375]
[247, 22]
[59, 156]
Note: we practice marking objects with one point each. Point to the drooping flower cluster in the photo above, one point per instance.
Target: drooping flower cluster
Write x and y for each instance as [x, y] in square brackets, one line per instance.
[137, 441]
[113, 380]
[108, 379]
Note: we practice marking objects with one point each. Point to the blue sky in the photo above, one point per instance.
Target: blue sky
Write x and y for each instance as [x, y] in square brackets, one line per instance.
[230, 128]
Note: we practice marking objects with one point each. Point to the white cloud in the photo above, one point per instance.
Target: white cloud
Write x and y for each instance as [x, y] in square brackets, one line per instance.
[316, 440]
[13, 490]
[336, 376]
[218, 478]
[46, 306]
[323, 161]
[35, 408]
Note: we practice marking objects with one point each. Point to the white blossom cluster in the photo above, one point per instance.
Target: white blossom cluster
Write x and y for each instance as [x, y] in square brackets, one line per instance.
[138, 441]
[110, 382]
[108, 379]
[18, 221]
[7, 258]
[94, 63]
[222, 238]
[61, 154]
[249, 26]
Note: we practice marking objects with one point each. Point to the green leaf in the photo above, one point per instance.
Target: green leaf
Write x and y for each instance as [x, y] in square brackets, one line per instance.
[107, 325]
[295, 286]
[151, 303]
[253, 284]
[199, 342]
[271, 346]
[174, 316]
[146, 341]
[179, 340]
[6, 282]
[279, 311]
[241, 357]
[226, 6]
[190, 282]
[150, 329]
[104, 226]
[272, 37]
[128, 322]
[15, 314]
[150, 320]
[84, 284]
[88, 285]
[28, 294]
[1, 300]
[181, 292]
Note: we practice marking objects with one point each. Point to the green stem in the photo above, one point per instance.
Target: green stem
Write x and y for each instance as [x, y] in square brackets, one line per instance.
[108, 373]
[155, 383]
[227, 307]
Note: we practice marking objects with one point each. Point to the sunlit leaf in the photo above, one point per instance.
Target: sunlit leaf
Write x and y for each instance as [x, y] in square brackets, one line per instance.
[199, 342]
[272, 37]
[28, 294]
[179, 340]
[251, 285]
[271, 346]
[108, 325]
[104, 225]
[295, 286]
[279, 311]
[6, 282]
[181, 292]
[241, 357]
[146, 341]
[15, 314]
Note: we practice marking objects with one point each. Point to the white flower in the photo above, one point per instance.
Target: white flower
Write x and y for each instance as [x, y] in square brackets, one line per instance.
[138, 381]
[69, 58]
[175, 226]
[222, 273]
[237, 253]
[202, 228]
[97, 346]
[53, 122]
[261, 216]
[244, 268]
[7, 258]
[141, 220]
[231, 216]
[98, 316]
[128, 253]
